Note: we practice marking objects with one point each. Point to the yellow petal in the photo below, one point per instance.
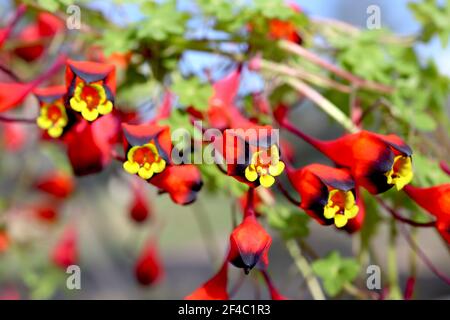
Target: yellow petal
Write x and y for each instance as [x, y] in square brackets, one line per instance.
[330, 211]
[89, 115]
[44, 122]
[277, 169]
[250, 173]
[145, 173]
[266, 180]
[340, 220]
[100, 90]
[131, 167]
[77, 105]
[349, 200]
[105, 108]
[351, 212]
[55, 132]
[159, 166]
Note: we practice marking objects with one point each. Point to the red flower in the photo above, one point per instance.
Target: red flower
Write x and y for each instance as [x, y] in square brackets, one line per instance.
[213, 289]
[252, 155]
[65, 253]
[57, 183]
[6, 31]
[148, 149]
[14, 136]
[148, 269]
[91, 88]
[53, 116]
[355, 224]
[34, 36]
[89, 145]
[46, 212]
[435, 200]
[13, 94]
[249, 245]
[4, 241]
[140, 207]
[328, 194]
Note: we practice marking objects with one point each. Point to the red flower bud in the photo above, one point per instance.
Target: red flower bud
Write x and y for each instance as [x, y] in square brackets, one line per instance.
[65, 253]
[57, 183]
[435, 200]
[249, 245]
[140, 207]
[148, 269]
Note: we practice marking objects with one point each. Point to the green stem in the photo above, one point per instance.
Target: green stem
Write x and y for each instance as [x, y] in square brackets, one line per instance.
[305, 269]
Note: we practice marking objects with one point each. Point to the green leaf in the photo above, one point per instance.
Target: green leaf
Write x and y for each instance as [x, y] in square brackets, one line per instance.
[191, 92]
[291, 223]
[423, 121]
[335, 272]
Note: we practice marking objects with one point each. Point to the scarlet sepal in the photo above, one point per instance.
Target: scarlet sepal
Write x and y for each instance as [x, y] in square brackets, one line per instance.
[91, 88]
[53, 117]
[213, 289]
[377, 162]
[148, 149]
[249, 245]
[65, 253]
[148, 268]
[435, 200]
[140, 207]
[4, 240]
[46, 212]
[34, 37]
[89, 145]
[6, 31]
[328, 194]
[57, 183]
[251, 155]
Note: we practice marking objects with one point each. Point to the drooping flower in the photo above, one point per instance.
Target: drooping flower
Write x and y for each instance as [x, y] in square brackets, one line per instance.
[328, 194]
[249, 245]
[148, 149]
[91, 87]
[252, 155]
[213, 289]
[35, 36]
[89, 144]
[435, 200]
[6, 31]
[140, 207]
[148, 268]
[65, 253]
[53, 117]
[57, 183]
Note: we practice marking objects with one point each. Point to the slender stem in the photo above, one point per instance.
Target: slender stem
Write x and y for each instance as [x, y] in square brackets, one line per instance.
[250, 207]
[358, 293]
[60, 61]
[302, 52]
[287, 195]
[399, 217]
[423, 256]
[305, 269]
[17, 120]
[326, 106]
[307, 138]
[444, 166]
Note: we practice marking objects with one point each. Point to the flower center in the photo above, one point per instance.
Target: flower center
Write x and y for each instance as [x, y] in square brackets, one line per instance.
[341, 207]
[144, 161]
[90, 100]
[401, 172]
[265, 165]
[53, 119]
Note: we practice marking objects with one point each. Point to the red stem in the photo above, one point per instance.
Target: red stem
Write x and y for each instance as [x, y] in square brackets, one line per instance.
[444, 166]
[50, 72]
[422, 255]
[319, 145]
[399, 217]
[250, 208]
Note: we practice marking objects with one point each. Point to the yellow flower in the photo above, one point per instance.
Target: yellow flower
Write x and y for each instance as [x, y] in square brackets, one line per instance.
[90, 100]
[144, 161]
[401, 172]
[53, 119]
[265, 165]
[341, 207]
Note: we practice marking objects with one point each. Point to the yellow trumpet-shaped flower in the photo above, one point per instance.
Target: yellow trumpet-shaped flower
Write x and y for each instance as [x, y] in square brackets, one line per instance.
[401, 172]
[144, 161]
[53, 119]
[341, 207]
[90, 100]
[265, 165]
